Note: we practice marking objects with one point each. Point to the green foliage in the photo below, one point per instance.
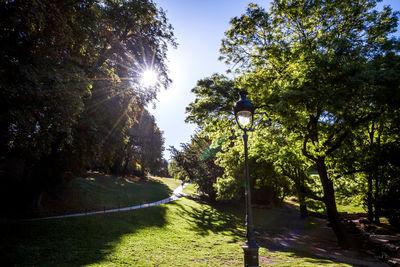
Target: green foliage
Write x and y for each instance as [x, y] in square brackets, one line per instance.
[143, 147]
[70, 85]
[268, 186]
[374, 145]
[195, 163]
[318, 67]
[213, 101]
[321, 74]
[217, 121]
[282, 149]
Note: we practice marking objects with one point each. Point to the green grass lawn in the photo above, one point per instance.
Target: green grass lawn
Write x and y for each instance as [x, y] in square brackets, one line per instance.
[318, 206]
[181, 233]
[98, 191]
[191, 189]
[350, 208]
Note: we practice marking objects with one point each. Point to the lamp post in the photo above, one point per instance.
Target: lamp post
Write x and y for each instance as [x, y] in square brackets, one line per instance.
[244, 114]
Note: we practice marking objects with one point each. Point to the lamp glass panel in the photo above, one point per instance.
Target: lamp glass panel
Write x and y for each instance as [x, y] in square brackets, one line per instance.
[244, 118]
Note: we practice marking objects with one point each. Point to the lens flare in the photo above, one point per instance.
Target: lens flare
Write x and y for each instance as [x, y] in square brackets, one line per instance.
[149, 78]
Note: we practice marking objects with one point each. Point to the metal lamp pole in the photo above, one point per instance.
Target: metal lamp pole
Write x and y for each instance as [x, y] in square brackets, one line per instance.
[244, 112]
[250, 248]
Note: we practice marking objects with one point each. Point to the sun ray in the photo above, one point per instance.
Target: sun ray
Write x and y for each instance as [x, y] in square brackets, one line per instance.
[118, 121]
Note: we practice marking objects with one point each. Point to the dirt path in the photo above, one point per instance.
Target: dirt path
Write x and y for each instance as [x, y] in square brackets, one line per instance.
[284, 230]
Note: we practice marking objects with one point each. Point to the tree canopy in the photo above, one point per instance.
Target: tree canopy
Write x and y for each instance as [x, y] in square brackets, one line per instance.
[323, 75]
[70, 85]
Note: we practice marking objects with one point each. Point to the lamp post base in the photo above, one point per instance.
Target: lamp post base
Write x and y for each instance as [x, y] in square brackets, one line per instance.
[250, 255]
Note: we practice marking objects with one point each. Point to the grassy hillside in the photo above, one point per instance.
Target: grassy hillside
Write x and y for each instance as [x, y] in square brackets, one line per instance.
[98, 191]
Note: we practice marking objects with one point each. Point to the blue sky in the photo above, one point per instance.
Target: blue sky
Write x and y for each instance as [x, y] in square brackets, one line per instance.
[199, 27]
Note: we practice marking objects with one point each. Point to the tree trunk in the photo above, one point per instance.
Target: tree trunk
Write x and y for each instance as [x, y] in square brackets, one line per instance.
[369, 199]
[36, 201]
[303, 206]
[330, 203]
[376, 202]
[299, 182]
[372, 203]
[126, 164]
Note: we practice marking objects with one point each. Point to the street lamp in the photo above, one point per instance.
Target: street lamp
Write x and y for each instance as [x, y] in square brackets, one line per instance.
[244, 114]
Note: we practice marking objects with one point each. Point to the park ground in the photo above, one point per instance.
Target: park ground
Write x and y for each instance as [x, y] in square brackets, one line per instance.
[186, 232]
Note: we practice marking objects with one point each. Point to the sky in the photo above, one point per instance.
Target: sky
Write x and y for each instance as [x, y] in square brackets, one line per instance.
[199, 27]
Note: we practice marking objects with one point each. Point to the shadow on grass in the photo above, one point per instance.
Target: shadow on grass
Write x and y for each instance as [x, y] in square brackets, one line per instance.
[283, 230]
[205, 219]
[72, 241]
[277, 230]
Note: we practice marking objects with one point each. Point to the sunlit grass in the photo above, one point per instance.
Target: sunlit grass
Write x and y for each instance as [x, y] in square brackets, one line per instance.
[349, 208]
[182, 233]
[191, 189]
[170, 182]
[319, 207]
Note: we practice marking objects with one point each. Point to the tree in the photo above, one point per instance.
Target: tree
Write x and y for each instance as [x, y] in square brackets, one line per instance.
[269, 186]
[211, 110]
[276, 164]
[196, 163]
[214, 98]
[283, 149]
[308, 61]
[69, 80]
[141, 153]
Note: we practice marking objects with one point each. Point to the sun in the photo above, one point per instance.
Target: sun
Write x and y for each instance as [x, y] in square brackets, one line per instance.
[149, 78]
